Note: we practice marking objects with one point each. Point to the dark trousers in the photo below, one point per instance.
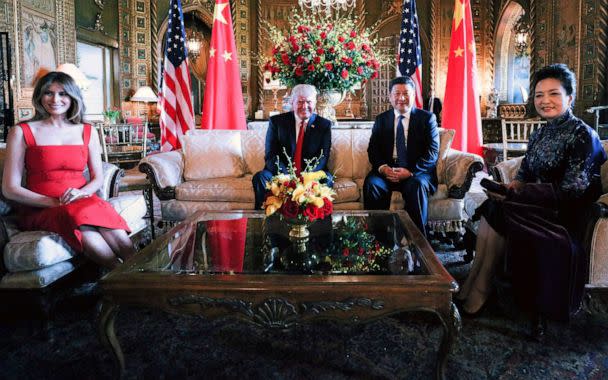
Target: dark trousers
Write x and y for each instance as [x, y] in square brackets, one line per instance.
[259, 185]
[377, 192]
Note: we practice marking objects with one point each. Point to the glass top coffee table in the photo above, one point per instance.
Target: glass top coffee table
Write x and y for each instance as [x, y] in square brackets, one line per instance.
[353, 266]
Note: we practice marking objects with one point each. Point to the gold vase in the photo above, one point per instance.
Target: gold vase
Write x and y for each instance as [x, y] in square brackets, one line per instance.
[328, 99]
[299, 231]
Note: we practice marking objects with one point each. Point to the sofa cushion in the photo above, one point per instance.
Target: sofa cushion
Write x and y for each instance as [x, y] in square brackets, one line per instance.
[346, 190]
[32, 250]
[341, 155]
[212, 154]
[34, 279]
[360, 142]
[445, 142]
[228, 189]
[132, 208]
[253, 146]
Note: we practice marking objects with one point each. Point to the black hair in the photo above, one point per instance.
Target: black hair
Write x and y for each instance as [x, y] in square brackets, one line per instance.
[408, 81]
[557, 71]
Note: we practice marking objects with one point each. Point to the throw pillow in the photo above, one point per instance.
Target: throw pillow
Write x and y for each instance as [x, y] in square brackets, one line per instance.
[212, 154]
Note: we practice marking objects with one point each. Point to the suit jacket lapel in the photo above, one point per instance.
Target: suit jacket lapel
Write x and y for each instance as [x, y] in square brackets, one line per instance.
[292, 132]
[390, 126]
[411, 129]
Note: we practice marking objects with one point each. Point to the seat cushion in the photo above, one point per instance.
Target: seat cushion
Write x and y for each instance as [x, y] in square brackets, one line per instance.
[229, 189]
[346, 191]
[34, 279]
[32, 250]
[132, 208]
[212, 154]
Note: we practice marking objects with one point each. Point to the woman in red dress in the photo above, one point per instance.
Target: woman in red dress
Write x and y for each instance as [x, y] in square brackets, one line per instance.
[52, 151]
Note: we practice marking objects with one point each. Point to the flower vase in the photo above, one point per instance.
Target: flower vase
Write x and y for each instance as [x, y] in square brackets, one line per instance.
[327, 101]
[298, 229]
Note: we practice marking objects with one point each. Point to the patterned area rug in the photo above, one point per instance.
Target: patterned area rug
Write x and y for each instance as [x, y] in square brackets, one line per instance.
[158, 345]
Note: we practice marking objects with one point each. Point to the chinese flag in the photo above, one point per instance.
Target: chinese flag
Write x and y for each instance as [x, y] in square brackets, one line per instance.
[461, 103]
[223, 106]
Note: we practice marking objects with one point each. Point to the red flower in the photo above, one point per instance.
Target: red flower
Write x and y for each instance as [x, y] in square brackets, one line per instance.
[361, 251]
[317, 59]
[299, 71]
[285, 59]
[292, 184]
[374, 75]
[330, 26]
[311, 67]
[295, 47]
[353, 34]
[320, 51]
[289, 209]
[300, 60]
[345, 252]
[306, 46]
[350, 45]
[344, 74]
[275, 50]
[318, 42]
[332, 49]
[365, 47]
[323, 35]
[347, 60]
[312, 212]
[341, 39]
[329, 66]
[328, 207]
[360, 70]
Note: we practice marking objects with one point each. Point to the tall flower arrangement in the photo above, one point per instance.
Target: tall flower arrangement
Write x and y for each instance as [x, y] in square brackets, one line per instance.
[331, 54]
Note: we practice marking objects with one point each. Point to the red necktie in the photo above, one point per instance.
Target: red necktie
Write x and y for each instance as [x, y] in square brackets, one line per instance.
[298, 154]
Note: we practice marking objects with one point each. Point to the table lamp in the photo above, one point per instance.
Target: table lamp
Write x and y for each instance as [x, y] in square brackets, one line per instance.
[273, 85]
[146, 95]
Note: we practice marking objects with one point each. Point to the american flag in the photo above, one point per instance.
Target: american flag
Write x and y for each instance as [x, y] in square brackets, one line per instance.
[176, 115]
[410, 57]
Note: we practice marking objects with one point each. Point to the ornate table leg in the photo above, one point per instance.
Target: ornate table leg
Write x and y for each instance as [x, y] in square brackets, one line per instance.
[451, 328]
[108, 336]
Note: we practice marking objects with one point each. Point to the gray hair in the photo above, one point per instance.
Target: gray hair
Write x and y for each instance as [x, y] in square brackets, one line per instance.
[305, 90]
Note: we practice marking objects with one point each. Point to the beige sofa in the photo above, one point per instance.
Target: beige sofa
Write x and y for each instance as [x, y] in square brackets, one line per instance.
[214, 171]
[596, 240]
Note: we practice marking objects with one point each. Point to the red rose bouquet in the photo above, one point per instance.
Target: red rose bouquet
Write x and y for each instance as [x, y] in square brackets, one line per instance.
[331, 54]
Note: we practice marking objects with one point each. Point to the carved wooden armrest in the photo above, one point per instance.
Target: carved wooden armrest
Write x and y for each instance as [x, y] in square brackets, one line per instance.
[460, 169]
[164, 171]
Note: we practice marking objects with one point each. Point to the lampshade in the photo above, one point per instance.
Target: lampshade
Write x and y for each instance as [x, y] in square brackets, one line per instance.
[144, 94]
[73, 71]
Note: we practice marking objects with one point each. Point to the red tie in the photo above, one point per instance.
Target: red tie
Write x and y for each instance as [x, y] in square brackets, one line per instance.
[298, 155]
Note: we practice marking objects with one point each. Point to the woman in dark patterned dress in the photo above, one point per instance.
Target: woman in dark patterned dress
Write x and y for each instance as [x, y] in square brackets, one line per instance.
[540, 223]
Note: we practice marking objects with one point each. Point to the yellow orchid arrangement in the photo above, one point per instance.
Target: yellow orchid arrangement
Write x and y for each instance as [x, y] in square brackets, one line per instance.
[299, 197]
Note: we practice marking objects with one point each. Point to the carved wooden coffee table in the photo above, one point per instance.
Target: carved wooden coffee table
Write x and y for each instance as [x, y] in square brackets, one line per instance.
[245, 265]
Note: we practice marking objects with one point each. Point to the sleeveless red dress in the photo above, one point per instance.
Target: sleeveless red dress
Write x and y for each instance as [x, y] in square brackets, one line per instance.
[50, 170]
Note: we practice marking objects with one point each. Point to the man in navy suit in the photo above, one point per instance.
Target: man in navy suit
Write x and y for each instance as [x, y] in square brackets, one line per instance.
[283, 133]
[403, 150]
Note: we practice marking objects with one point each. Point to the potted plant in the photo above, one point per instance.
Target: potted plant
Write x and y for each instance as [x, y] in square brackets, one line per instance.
[111, 115]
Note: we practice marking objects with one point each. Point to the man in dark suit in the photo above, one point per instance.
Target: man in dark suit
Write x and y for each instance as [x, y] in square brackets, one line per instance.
[403, 150]
[285, 131]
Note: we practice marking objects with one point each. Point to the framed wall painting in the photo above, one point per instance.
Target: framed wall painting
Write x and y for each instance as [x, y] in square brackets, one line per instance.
[25, 113]
[39, 46]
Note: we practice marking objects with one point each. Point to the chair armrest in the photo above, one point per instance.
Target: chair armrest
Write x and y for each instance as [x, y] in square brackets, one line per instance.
[460, 169]
[595, 242]
[112, 175]
[506, 171]
[111, 180]
[164, 171]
